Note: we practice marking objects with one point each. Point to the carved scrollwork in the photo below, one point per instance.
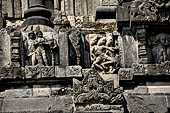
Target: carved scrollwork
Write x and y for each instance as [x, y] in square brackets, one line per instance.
[39, 72]
[144, 10]
[149, 10]
[93, 89]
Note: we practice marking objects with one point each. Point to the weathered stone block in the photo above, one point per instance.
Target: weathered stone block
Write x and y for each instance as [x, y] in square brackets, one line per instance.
[158, 89]
[17, 93]
[63, 49]
[10, 7]
[17, 9]
[151, 69]
[168, 99]
[146, 104]
[41, 92]
[62, 103]
[11, 72]
[4, 48]
[111, 77]
[123, 12]
[125, 74]
[129, 51]
[1, 103]
[60, 71]
[25, 104]
[74, 71]
[141, 90]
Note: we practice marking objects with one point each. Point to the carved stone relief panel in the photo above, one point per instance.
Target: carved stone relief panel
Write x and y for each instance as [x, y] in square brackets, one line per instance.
[41, 48]
[94, 90]
[151, 69]
[143, 10]
[79, 53]
[150, 10]
[159, 48]
[104, 53]
[35, 72]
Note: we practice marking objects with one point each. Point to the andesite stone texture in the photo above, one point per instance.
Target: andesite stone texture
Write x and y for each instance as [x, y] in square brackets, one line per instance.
[84, 56]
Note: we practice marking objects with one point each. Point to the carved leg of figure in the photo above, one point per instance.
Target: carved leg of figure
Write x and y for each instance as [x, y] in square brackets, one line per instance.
[98, 67]
[96, 64]
[160, 56]
[39, 56]
[109, 60]
[33, 60]
[45, 59]
[155, 54]
[168, 54]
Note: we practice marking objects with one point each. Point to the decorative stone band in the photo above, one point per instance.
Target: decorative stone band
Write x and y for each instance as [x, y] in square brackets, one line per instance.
[151, 69]
[37, 72]
[145, 70]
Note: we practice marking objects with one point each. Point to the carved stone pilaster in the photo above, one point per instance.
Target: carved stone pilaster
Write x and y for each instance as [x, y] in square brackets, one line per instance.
[15, 48]
[142, 49]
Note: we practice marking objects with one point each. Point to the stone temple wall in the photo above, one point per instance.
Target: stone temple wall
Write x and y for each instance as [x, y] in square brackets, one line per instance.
[84, 56]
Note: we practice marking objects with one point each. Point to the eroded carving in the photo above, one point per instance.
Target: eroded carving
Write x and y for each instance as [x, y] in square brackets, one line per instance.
[40, 50]
[109, 2]
[159, 48]
[143, 10]
[104, 53]
[94, 90]
[150, 10]
[36, 72]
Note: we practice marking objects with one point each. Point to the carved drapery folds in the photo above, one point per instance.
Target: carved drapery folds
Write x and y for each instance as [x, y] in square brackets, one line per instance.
[40, 49]
[97, 92]
[104, 53]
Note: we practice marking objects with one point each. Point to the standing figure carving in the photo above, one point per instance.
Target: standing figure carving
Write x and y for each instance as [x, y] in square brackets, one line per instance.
[30, 45]
[41, 52]
[36, 49]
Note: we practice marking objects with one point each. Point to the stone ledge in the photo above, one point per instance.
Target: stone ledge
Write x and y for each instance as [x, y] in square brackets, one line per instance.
[37, 105]
[35, 92]
[35, 72]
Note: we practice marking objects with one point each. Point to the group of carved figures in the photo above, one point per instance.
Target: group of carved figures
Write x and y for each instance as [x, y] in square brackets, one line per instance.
[37, 48]
[104, 53]
[147, 9]
[160, 48]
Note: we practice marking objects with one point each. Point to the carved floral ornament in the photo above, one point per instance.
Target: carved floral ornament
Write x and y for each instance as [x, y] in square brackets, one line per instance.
[148, 10]
[93, 89]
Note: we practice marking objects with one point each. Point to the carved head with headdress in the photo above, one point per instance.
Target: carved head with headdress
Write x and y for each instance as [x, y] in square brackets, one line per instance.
[31, 35]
